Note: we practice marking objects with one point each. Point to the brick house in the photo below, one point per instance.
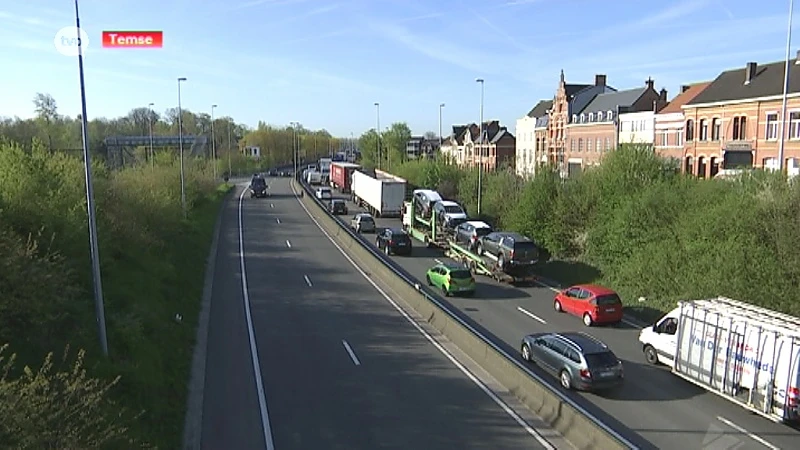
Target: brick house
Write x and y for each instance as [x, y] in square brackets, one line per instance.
[735, 123]
[670, 123]
[569, 98]
[453, 146]
[498, 146]
[594, 130]
[531, 134]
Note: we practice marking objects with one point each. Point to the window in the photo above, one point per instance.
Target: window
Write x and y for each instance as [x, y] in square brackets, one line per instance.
[580, 145]
[794, 125]
[772, 126]
[739, 128]
[703, 130]
[679, 138]
[690, 130]
[589, 143]
[599, 147]
[663, 138]
[608, 144]
[610, 115]
[572, 145]
[716, 127]
[583, 118]
[574, 118]
[591, 117]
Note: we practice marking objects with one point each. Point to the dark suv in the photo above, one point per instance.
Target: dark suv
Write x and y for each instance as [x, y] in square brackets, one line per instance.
[337, 207]
[394, 241]
[511, 250]
[579, 360]
[258, 187]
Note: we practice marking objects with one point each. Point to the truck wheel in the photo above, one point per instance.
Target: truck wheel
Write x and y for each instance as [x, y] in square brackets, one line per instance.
[479, 250]
[650, 354]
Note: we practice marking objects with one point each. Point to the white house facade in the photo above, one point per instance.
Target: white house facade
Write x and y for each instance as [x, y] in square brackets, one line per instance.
[637, 128]
[526, 146]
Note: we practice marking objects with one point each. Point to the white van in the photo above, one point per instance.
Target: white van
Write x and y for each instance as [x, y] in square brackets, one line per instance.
[746, 354]
[314, 177]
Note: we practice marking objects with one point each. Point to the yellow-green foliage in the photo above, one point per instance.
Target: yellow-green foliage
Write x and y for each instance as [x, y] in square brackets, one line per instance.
[636, 225]
[152, 263]
[59, 407]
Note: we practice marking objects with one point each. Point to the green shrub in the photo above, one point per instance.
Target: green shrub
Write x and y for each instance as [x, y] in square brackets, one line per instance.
[651, 232]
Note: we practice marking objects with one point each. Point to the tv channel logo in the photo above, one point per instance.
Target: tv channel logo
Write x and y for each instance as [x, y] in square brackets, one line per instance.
[67, 41]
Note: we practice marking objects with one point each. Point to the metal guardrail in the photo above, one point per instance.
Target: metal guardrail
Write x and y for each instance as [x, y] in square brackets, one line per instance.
[430, 296]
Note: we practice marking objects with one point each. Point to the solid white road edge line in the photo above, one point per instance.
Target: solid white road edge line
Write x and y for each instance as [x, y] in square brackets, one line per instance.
[351, 353]
[430, 338]
[288, 244]
[262, 398]
[530, 314]
[752, 436]
[308, 281]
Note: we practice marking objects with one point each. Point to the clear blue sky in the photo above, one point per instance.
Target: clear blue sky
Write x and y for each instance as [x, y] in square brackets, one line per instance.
[325, 62]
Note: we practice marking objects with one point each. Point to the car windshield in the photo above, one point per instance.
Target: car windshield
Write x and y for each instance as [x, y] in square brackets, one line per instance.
[607, 300]
[460, 274]
[259, 182]
[482, 231]
[366, 219]
[453, 209]
[603, 359]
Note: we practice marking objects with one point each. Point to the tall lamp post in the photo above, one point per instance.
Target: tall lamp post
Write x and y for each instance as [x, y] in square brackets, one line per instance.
[378, 130]
[99, 308]
[230, 147]
[180, 146]
[441, 106]
[295, 151]
[480, 164]
[150, 123]
[213, 143]
[785, 89]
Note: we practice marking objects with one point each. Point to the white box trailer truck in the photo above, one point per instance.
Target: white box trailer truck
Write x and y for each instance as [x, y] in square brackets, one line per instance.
[382, 195]
[744, 353]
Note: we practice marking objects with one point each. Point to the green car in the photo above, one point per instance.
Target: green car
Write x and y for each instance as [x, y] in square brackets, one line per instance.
[451, 279]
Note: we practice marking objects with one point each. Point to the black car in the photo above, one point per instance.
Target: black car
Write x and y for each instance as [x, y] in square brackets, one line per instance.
[337, 207]
[258, 187]
[394, 241]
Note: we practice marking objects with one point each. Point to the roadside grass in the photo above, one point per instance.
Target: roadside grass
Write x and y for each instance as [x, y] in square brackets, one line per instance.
[152, 265]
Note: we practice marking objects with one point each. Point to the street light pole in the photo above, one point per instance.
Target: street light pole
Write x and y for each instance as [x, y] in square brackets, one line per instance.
[99, 308]
[213, 142]
[441, 105]
[480, 164]
[150, 122]
[295, 151]
[180, 146]
[785, 89]
[230, 148]
[378, 130]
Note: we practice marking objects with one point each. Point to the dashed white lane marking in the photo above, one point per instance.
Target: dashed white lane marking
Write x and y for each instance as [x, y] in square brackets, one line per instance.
[350, 352]
[288, 244]
[530, 314]
[308, 281]
[277, 219]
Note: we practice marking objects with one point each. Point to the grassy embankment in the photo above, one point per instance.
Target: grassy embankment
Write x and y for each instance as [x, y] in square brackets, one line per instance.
[635, 225]
[152, 262]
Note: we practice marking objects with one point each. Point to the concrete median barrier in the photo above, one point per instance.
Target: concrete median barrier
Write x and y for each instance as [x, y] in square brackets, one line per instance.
[576, 425]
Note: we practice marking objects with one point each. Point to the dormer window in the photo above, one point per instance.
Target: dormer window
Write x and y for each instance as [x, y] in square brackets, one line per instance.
[591, 117]
[574, 118]
[610, 115]
[583, 118]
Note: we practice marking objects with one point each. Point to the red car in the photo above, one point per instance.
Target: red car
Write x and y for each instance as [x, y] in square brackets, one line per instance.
[593, 303]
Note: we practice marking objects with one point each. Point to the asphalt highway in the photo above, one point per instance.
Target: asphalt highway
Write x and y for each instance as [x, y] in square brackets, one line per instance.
[655, 409]
[338, 366]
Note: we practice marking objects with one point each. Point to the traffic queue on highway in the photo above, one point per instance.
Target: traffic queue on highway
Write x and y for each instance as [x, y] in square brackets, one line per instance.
[746, 354]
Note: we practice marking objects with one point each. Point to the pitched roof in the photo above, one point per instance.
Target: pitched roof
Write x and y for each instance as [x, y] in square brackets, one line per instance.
[768, 81]
[541, 108]
[684, 98]
[610, 100]
[572, 89]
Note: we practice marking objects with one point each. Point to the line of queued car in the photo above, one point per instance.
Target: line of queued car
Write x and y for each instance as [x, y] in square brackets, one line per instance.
[578, 360]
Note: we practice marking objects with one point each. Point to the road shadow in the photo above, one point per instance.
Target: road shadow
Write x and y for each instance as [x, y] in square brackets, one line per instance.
[645, 392]
[562, 274]
[643, 313]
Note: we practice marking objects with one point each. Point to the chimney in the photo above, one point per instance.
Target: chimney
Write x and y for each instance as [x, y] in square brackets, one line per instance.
[662, 95]
[750, 72]
[599, 80]
[684, 88]
[649, 83]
